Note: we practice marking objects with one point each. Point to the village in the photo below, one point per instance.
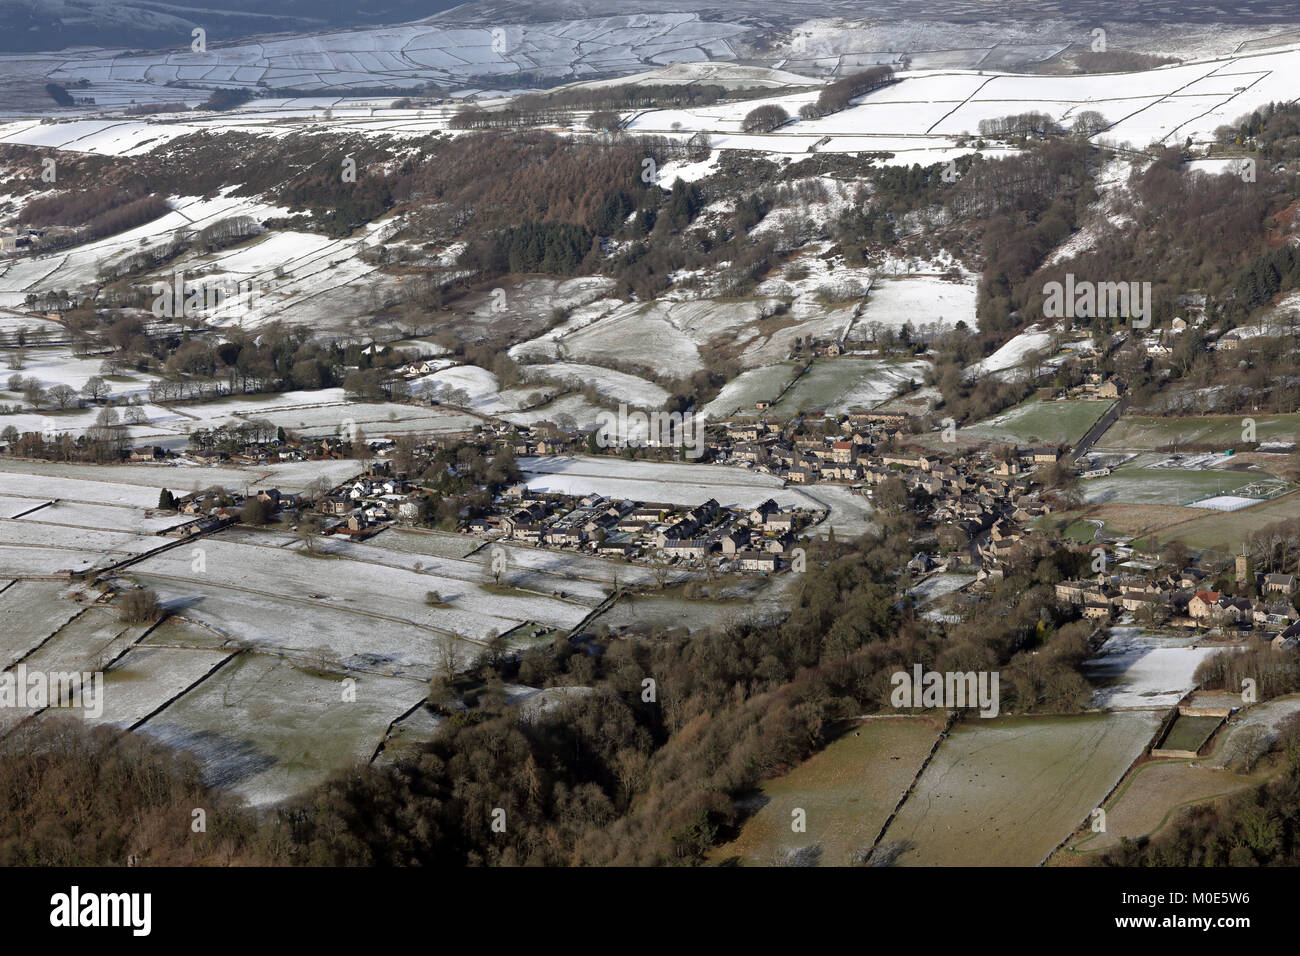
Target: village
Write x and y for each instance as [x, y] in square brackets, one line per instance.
[984, 505]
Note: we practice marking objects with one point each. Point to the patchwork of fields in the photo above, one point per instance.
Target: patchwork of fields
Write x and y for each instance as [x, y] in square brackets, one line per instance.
[846, 792]
[277, 663]
[1005, 792]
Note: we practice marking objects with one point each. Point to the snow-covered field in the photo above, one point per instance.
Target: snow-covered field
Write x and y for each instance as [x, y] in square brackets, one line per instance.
[1008, 359]
[102, 517]
[50, 486]
[137, 486]
[748, 388]
[850, 383]
[621, 387]
[921, 118]
[80, 266]
[267, 729]
[922, 301]
[31, 612]
[1138, 669]
[930, 110]
[405, 55]
[238, 577]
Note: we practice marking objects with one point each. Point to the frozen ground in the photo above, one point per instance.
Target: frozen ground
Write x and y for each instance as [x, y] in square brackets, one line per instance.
[1135, 668]
[923, 301]
[267, 729]
[1008, 359]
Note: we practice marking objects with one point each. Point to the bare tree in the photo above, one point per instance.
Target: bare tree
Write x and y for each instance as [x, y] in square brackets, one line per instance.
[63, 395]
[96, 389]
[309, 532]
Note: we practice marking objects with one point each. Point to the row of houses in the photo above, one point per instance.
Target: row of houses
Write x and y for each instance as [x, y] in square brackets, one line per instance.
[1181, 600]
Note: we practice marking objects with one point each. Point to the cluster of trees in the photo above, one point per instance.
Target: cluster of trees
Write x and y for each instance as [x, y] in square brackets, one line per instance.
[99, 444]
[840, 94]
[1089, 123]
[765, 119]
[480, 183]
[1019, 125]
[636, 96]
[226, 99]
[603, 120]
[1022, 207]
[1269, 275]
[234, 437]
[76, 207]
[557, 248]
[77, 796]
[139, 606]
[60, 95]
[863, 224]
[1273, 130]
[458, 468]
[506, 117]
[1275, 672]
[1118, 61]
[374, 385]
[338, 205]
[226, 232]
[97, 212]
[278, 357]
[62, 395]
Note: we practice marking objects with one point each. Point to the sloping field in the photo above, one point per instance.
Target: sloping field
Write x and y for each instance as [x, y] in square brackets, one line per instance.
[89, 642]
[1005, 791]
[367, 615]
[757, 385]
[31, 612]
[1145, 433]
[1139, 669]
[1063, 422]
[619, 386]
[1149, 800]
[847, 383]
[267, 729]
[846, 791]
[146, 678]
[925, 302]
